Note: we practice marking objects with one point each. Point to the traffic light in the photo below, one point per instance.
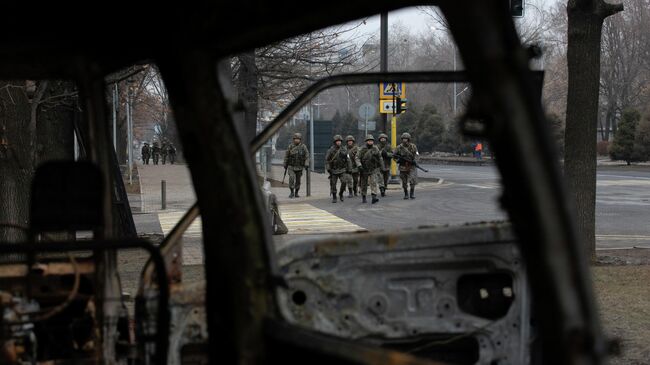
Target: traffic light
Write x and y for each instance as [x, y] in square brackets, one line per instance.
[517, 8]
[400, 105]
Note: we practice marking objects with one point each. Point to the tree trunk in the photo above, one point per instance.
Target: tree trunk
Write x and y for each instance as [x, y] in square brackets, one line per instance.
[248, 92]
[16, 162]
[585, 21]
[55, 126]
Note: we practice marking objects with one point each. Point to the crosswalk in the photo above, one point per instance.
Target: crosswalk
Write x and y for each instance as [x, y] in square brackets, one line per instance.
[169, 219]
[307, 219]
[192, 250]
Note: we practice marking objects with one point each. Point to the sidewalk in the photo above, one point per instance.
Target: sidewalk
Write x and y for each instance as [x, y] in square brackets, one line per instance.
[180, 197]
[179, 188]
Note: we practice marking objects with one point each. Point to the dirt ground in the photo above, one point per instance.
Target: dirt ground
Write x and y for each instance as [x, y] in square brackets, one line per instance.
[621, 281]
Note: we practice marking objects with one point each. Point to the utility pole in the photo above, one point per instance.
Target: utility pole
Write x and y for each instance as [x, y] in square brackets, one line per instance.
[129, 126]
[383, 57]
[115, 101]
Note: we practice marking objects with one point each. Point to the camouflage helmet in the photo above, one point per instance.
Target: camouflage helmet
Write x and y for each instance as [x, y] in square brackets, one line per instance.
[297, 136]
[383, 135]
[350, 138]
[338, 138]
[370, 137]
[406, 136]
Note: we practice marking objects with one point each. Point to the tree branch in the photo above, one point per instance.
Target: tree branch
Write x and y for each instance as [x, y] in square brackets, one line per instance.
[605, 9]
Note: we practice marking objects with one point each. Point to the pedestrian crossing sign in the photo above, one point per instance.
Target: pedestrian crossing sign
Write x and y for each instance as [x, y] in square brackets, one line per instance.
[389, 90]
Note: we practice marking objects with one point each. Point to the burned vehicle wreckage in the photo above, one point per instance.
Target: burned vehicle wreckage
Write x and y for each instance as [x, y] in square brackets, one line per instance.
[491, 293]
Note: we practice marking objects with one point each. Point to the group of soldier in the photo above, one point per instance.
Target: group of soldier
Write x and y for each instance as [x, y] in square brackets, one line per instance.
[155, 152]
[356, 167]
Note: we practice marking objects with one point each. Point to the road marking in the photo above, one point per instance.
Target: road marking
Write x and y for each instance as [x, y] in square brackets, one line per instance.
[482, 186]
[618, 237]
[192, 254]
[306, 219]
[624, 182]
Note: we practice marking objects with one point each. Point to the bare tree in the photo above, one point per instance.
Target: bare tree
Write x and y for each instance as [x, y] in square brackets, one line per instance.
[35, 125]
[623, 76]
[270, 77]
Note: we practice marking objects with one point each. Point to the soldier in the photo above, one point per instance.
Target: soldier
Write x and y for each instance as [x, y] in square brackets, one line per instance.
[386, 155]
[164, 150]
[353, 149]
[369, 162]
[171, 153]
[407, 151]
[155, 152]
[337, 163]
[295, 159]
[146, 153]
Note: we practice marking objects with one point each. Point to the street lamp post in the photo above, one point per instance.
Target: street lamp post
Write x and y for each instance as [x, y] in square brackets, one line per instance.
[129, 135]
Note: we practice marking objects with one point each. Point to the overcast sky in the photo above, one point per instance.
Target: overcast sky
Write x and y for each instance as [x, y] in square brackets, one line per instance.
[419, 22]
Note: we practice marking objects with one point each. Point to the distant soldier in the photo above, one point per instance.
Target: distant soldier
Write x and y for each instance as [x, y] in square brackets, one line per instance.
[369, 162]
[171, 153]
[155, 152]
[295, 159]
[146, 153]
[353, 149]
[405, 153]
[386, 155]
[163, 151]
[337, 163]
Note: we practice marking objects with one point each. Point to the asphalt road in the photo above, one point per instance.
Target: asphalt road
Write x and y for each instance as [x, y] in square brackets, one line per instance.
[470, 194]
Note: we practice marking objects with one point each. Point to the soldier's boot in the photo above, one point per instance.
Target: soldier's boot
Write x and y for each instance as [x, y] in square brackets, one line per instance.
[412, 192]
[406, 193]
[333, 197]
[383, 191]
[341, 195]
[356, 192]
[363, 198]
[291, 195]
[374, 198]
[349, 192]
[297, 196]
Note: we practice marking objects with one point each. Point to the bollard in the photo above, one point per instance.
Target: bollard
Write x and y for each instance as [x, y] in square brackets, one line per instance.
[308, 180]
[163, 193]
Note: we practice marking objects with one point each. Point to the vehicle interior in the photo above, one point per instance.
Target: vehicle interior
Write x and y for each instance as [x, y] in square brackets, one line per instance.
[514, 292]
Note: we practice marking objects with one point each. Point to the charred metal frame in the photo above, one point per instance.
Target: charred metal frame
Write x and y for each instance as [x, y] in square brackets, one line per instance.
[162, 313]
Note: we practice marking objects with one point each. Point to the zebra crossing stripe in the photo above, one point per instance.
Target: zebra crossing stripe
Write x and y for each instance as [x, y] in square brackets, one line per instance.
[192, 254]
[169, 219]
[306, 219]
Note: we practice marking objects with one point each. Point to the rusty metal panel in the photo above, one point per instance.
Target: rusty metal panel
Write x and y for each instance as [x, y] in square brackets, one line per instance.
[413, 285]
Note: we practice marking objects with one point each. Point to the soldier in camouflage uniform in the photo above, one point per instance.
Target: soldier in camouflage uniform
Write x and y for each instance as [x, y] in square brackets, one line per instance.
[155, 152]
[295, 159]
[353, 149]
[146, 153]
[337, 164]
[386, 155]
[407, 171]
[369, 162]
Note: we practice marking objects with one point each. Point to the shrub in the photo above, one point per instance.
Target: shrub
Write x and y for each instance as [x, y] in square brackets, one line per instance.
[625, 147]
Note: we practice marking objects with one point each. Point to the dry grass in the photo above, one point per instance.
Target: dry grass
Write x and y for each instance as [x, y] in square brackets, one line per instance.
[623, 294]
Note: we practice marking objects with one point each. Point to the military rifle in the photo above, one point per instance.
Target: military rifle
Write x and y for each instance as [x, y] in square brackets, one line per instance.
[285, 175]
[399, 158]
